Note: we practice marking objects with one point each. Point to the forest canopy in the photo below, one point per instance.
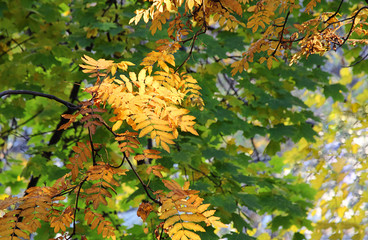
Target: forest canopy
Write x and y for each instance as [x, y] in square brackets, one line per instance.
[173, 119]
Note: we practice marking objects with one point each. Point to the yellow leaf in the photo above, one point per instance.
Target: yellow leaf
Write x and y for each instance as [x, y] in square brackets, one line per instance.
[169, 213]
[178, 235]
[193, 226]
[178, 226]
[203, 207]
[171, 221]
[208, 213]
[252, 8]
[117, 125]
[355, 107]
[192, 235]
[146, 16]
[133, 76]
[341, 211]
[166, 136]
[165, 146]
[186, 185]
[142, 75]
[346, 76]
[113, 69]
[190, 4]
[145, 131]
[143, 124]
[193, 217]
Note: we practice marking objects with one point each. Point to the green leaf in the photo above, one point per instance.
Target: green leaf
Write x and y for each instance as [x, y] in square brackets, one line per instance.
[335, 91]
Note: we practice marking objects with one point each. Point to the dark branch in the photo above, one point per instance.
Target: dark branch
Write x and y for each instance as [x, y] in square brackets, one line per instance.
[17, 45]
[199, 32]
[355, 63]
[337, 11]
[352, 24]
[255, 149]
[49, 96]
[76, 208]
[142, 183]
[19, 125]
[282, 34]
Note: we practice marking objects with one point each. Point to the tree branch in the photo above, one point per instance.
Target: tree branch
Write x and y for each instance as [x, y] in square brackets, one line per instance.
[336, 12]
[282, 34]
[49, 96]
[17, 45]
[76, 208]
[199, 32]
[142, 183]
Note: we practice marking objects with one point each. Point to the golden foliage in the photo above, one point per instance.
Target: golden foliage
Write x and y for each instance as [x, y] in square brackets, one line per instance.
[23, 215]
[315, 36]
[183, 211]
[90, 117]
[96, 220]
[150, 104]
[82, 154]
[102, 176]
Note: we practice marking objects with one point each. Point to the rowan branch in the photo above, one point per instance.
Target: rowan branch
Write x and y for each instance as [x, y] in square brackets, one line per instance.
[39, 94]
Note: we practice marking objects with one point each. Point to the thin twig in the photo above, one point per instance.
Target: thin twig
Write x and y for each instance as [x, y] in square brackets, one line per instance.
[23, 123]
[49, 96]
[255, 149]
[355, 63]
[142, 183]
[17, 45]
[336, 12]
[92, 147]
[76, 208]
[282, 34]
[191, 48]
[352, 24]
